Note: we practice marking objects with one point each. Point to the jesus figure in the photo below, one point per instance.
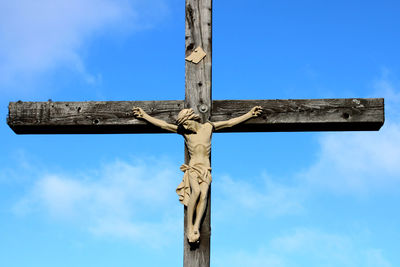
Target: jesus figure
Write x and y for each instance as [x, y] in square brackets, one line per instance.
[193, 190]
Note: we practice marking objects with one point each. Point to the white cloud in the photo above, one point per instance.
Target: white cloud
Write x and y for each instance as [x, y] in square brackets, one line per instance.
[361, 162]
[313, 242]
[307, 247]
[375, 257]
[256, 258]
[122, 200]
[153, 234]
[137, 200]
[38, 36]
[269, 199]
[326, 249]
[358, 162]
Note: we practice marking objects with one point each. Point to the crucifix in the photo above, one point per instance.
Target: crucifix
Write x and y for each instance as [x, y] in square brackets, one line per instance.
[196, 115]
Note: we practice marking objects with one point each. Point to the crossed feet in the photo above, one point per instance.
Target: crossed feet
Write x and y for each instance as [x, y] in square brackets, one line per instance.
[194, 236]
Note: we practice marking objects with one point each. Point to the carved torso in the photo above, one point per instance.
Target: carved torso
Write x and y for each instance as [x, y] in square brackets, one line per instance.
[199, 144]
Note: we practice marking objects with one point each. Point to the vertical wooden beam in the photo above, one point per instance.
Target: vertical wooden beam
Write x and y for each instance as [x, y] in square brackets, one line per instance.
[198, 96]
[198, 76]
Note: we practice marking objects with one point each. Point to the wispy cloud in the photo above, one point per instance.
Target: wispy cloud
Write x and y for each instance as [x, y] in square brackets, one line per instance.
[362, 162]
[327, 249]
[306, 246]
[268, 198]
[358, 162]
[38, 36]
[388, 85]
[132, 201]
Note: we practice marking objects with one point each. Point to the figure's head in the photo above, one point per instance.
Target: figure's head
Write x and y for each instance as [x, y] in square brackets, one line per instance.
[187, 119]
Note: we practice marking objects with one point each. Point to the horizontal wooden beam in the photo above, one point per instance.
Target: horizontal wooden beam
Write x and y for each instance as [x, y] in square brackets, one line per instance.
[113, 117]
[91, 117]
[355, 114]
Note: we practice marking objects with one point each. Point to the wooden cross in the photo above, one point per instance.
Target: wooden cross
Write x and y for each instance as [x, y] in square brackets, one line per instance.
[116, 117]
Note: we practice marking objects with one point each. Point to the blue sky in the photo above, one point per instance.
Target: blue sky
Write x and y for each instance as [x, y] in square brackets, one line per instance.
[278, 199]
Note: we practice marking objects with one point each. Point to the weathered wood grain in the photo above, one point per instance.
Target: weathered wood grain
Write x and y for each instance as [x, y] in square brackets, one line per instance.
[354, 114]
[90, 117]
[116, 117]
[198, 33]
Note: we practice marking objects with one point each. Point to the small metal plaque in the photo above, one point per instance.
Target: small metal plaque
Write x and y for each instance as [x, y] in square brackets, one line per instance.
[197, 55]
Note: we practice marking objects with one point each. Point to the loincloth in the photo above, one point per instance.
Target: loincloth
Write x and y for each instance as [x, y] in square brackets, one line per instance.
[203, 176]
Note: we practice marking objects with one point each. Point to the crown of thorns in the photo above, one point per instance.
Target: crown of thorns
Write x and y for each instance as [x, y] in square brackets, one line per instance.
[187, 114]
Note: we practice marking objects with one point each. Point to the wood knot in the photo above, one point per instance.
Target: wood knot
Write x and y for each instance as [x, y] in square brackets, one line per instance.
[190, 47]
[345, 115]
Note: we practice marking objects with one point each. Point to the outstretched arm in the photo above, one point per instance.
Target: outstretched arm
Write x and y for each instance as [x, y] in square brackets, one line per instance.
[140, 114]
[254, 112]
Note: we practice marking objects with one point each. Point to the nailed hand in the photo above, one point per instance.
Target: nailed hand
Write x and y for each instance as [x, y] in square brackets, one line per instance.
[256, 111]
[138, 112]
